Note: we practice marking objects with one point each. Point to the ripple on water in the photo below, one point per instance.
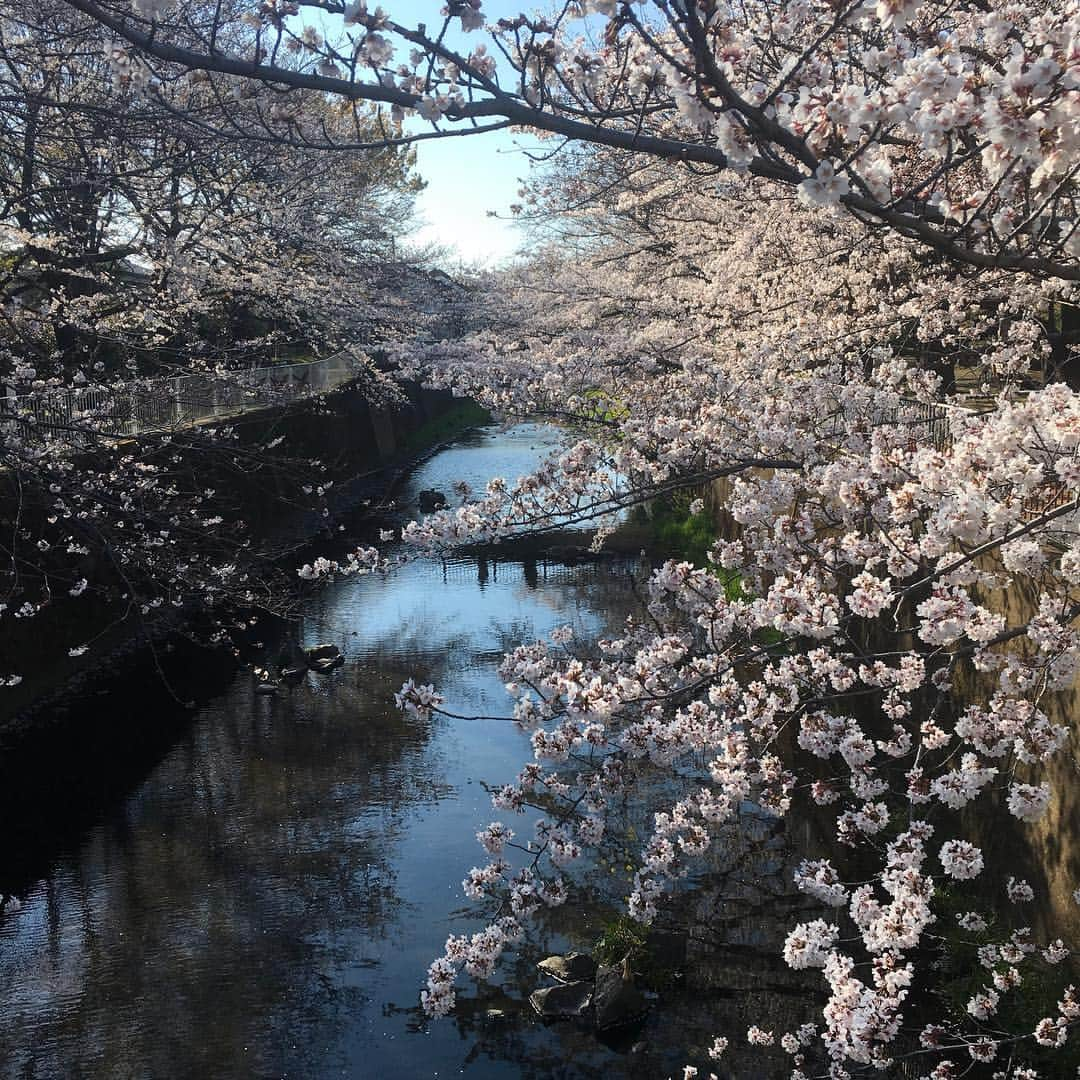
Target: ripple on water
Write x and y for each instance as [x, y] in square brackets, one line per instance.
[264, 901]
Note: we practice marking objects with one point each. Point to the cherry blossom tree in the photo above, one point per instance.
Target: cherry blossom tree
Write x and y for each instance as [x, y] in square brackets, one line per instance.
[847, 652]
[135, 245]
[818, 216]
[132, 235]
[952, 124]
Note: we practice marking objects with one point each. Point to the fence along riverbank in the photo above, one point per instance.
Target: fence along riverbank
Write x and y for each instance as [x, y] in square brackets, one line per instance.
[77, 415]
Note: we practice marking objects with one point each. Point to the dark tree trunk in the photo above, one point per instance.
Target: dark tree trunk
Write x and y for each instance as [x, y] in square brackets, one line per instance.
[1064, 334]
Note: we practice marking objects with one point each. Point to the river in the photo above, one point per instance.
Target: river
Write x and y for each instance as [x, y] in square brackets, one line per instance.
[262, 897]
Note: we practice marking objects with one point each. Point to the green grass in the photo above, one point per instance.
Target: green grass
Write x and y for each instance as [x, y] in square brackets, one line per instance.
[680, 534]
[670, 531]
[462, 416]
[622, 937]
[604, 407]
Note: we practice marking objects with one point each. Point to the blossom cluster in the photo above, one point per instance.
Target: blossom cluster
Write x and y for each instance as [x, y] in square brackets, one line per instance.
[845, 645]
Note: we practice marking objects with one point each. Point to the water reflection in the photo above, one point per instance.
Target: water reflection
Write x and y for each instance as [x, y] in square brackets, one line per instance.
[265, 900]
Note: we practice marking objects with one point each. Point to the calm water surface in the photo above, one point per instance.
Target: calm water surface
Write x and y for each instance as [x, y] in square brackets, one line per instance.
[262, 899]
[265, 902]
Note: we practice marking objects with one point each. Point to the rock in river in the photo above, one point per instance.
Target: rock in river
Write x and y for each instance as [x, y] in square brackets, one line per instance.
[324, 658]
[567, 1000]
[430, 499]
[573, 967]
[616, 999]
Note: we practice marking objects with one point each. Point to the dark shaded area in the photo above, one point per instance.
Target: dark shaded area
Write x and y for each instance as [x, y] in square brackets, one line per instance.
[254, 888]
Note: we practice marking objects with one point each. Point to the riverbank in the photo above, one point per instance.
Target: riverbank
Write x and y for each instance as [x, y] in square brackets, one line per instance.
[660, 529]
[369, 450]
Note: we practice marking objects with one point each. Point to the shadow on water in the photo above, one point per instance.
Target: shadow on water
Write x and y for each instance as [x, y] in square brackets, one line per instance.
[93, 749]
[255, 888]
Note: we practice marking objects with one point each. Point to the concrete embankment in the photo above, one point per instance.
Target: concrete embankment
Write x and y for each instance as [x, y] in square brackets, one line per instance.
[366, 448]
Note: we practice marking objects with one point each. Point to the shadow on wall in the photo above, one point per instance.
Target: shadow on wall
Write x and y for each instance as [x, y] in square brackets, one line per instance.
[1045, 853]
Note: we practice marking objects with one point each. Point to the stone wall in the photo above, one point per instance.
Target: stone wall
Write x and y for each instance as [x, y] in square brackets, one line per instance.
[365, 447]
[1046, 853]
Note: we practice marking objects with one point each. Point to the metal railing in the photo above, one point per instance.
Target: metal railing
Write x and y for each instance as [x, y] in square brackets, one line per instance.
[81, 415]
[929, 422]
[936, 420]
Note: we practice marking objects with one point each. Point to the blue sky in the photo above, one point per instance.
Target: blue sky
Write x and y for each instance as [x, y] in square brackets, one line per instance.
[470, 176]
[466, 178]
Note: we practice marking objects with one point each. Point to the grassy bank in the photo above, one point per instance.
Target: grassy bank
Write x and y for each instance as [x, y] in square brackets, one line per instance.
[677, 533]
[461, 416]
